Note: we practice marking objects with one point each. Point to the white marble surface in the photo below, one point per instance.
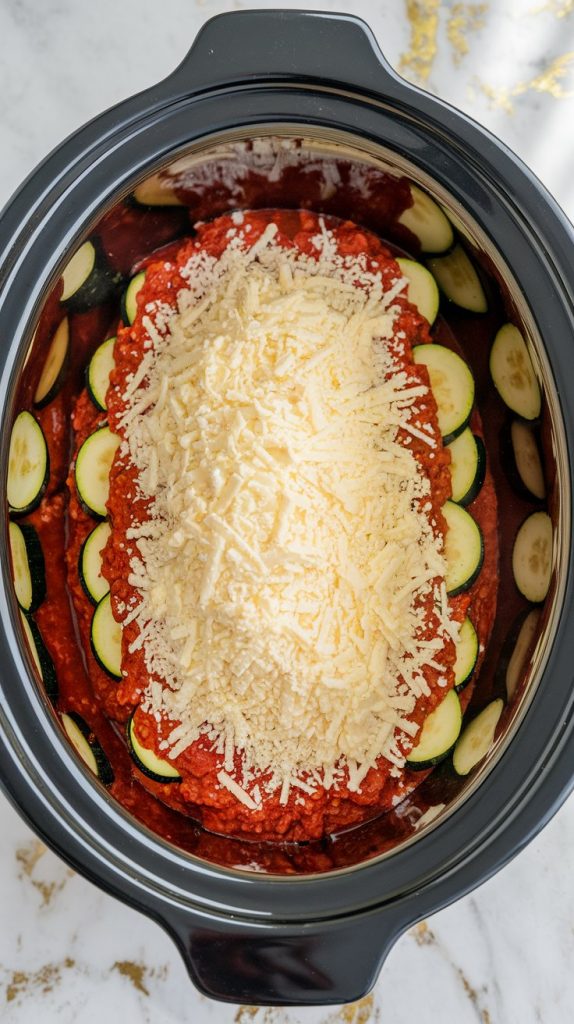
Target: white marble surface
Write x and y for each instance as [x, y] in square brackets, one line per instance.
[501, 956]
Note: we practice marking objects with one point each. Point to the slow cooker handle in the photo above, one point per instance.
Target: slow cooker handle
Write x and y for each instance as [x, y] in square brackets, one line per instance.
[305, 964]
[244, 46]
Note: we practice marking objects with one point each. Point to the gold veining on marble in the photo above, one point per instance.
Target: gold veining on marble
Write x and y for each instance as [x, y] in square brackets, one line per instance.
[135, 972]
[44, 980]
[462, 21]
[423, 21]
[364, 1011]
[550, 81]
[423, 935]
[360, 1012]
[28, 857]
[560, 8]
[260, 1015]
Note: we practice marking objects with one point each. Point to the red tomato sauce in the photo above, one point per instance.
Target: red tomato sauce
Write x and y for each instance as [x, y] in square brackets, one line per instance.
[105, 701]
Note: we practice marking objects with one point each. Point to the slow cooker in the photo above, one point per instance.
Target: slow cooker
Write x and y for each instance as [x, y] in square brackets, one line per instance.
[307, 103]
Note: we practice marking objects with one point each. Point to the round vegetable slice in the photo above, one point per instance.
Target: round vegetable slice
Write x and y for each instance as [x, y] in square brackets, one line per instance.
[54, 369]
[88, 279]
[467, 466]
[98, 373]
[477, 738]
[439, 734]
[422, 290]
[78, 270]
[513, 373]
[452, 385]
[129, 301]
[95, 585]
[523, 644]
[106, 638]
[40, 657]
[527, 458]
[28, 465]
[93, 465]
[157, 190]
[466, 655]
[532, 557]
[156, 768]
[28, 568]
[463, 549]
[87, 746]
[79, 741]
[426, 220]
[458, 280]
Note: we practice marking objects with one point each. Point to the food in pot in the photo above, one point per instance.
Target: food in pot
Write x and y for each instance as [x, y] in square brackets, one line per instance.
[281, 538]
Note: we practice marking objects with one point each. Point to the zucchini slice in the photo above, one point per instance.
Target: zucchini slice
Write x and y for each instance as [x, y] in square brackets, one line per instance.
[88, 280]
[41, 657]
[157, 190]
[513, 374]
[532, 557]
[54, 369]
[28, 569]
[466, 655]
[477, 738]
[28, 465]
[422, 290]
[129, 301]
[98, 373]
[463, 549]
[452, 385]
[95, 585]
[438, 735]
[523, 644]
[156, 768]
[467, 466]
[527, 458]
[427, 222]
[458, 280]
[86, 745]
[106, 638]
[93, 465]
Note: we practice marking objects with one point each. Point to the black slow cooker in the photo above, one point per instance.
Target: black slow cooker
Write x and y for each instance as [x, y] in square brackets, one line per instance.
[255, 86]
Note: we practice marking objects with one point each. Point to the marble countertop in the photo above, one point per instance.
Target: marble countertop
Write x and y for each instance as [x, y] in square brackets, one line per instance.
[502, 955]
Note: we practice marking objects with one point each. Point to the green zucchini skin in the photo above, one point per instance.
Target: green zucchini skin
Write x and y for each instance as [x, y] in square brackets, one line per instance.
[476, 451]
[509, 458]
[59, 351]
[26, 424]
[129, 298]
[459, 280]
[477, 738]
[452, 385]
[104, 768]
[469, 648]
[35, 564]
[462, 520]
[135, 750]
[106, 653]
[532, 557]
[101, 360]
[92, 487]
[93, 590]
[47, 667]
[438, 735]
[102, 285]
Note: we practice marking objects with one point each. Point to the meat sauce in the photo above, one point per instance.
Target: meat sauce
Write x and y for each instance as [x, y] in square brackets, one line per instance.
[108, 704]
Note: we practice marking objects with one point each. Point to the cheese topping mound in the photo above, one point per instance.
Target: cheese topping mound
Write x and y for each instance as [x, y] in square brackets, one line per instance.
[287, 544]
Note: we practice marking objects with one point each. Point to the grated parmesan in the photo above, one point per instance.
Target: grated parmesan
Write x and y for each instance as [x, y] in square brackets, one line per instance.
[279, 573]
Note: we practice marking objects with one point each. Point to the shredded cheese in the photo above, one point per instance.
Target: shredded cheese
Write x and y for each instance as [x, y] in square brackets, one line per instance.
[281, 570]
